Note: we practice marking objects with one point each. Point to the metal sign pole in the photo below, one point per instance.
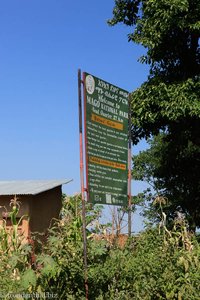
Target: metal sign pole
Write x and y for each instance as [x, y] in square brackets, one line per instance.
[82, 184]
[129, 170]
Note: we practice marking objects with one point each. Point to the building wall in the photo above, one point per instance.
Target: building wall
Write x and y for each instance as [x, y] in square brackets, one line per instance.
[23, 203]
[43, 208]
[40, 209]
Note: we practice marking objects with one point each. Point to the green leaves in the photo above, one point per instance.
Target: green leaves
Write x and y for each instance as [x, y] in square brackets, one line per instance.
[155, 264]
[49, 268]
[169, 29]
[28, 279]
[125, 11]
[155, 106]
[169, 102]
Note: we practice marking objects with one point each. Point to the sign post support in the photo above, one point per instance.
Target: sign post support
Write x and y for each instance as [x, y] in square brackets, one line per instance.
[82, 183]
[129, 169]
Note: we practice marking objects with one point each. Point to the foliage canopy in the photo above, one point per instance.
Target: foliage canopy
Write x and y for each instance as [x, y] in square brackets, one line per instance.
[169, 29]
[168, 103]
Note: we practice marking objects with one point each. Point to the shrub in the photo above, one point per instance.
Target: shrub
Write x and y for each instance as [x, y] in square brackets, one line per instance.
[156, 264]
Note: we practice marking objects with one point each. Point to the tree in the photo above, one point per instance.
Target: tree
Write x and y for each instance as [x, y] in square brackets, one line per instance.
[166, 108]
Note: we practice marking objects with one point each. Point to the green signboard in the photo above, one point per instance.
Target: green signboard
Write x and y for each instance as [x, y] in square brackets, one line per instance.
[106, 131]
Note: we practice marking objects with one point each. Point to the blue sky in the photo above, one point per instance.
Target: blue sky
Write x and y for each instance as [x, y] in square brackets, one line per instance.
[42, 45]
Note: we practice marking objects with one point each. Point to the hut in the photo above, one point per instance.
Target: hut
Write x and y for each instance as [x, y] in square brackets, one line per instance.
[39, 201]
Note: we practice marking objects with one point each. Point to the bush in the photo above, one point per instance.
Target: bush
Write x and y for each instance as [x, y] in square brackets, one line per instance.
[155, 264]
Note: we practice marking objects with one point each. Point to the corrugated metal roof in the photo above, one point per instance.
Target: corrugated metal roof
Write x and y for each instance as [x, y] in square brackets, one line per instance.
[29, 187]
